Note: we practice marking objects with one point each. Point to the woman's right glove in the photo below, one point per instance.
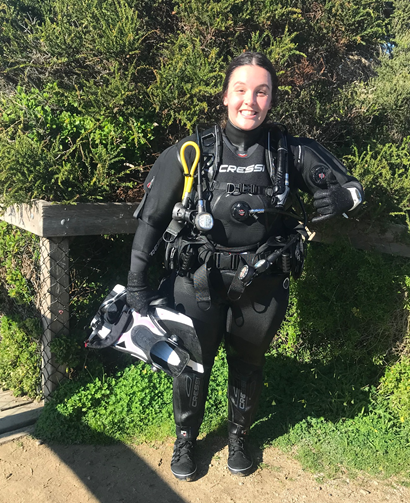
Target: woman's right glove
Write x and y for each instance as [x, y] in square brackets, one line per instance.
[139, 295]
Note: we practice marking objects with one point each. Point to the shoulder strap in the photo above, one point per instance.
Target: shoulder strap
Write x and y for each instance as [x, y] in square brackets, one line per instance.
[209, 140]
[280, 175]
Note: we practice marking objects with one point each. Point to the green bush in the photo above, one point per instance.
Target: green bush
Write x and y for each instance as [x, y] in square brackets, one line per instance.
[20, 326]
[67, 146]
[84, 82]
[133, 403]
[349, 303]
[395, 388]
[18, 255]
[20, 356]
[75, 123]
[387, 95]
[384, 172]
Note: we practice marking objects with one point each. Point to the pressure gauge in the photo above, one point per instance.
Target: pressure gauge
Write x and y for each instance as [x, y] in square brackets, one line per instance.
[204, 221]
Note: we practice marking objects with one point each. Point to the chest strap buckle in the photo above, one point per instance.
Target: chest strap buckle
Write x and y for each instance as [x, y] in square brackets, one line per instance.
[225, 260]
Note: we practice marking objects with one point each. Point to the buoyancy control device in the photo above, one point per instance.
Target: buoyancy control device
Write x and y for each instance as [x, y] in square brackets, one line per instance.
[186, 240]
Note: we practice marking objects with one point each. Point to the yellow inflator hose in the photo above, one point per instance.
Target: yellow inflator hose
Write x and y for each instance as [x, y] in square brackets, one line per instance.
[189, 175]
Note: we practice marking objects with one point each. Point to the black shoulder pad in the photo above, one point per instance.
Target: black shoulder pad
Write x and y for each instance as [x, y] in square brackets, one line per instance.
[210, 142]
[278, 126]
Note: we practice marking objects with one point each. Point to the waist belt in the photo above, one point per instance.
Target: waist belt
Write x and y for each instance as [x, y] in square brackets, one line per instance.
[241, 261]
[223, 261]
[226, 260]
[229, 261]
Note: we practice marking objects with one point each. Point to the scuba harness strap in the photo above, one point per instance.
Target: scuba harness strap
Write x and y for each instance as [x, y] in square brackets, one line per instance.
[201, 285]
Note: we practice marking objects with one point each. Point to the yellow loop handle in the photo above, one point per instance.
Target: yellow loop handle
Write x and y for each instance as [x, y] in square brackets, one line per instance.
[189, 176]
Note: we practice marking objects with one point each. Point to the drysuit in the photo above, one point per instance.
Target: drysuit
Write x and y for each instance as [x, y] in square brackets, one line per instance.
[249, 322]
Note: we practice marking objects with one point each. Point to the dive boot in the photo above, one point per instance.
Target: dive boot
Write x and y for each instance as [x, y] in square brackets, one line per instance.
[239, 458]
[183, 464]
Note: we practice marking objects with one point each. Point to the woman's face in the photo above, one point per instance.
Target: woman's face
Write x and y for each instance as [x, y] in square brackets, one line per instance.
[248, 97]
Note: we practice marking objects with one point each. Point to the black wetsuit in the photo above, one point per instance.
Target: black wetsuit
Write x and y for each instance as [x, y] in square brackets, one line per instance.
[249, 323]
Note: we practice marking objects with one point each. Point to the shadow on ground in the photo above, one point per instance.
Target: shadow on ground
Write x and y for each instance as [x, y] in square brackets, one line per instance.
[129, 479]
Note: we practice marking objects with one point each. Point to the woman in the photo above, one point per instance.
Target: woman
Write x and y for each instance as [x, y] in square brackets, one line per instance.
[247, 189]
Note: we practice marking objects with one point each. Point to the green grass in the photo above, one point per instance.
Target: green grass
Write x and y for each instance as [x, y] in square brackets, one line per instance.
[133, 404]
[336, 387]
[374, 443]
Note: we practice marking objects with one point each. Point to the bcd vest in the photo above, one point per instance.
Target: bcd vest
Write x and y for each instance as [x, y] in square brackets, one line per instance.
[248, 199]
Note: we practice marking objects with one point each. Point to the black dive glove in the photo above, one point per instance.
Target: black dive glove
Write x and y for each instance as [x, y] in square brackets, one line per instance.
[139, 296]
[335, 200]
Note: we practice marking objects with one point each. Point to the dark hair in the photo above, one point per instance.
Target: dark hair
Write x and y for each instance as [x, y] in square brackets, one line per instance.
[251, 58]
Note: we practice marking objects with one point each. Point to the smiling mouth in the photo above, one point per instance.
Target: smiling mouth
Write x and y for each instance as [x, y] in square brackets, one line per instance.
[248, 113]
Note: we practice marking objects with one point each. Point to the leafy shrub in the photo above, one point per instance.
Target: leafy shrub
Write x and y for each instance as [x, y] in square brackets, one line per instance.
[384, 172]
[20, 356]
[18, 255]
[20, 326]
[388, 93]
[184, 90]
[395, 388]
[63, 146]
[134, 403]
[363, 316]
[84, 82]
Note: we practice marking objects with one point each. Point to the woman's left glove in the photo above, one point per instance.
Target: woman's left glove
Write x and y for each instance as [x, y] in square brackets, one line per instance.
[139, 295]
[332, 201]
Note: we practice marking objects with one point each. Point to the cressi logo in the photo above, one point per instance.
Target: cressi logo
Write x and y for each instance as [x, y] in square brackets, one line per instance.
[253, 168]
[196, 392]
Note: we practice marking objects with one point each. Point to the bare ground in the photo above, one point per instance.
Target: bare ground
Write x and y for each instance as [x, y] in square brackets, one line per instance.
[31, 471]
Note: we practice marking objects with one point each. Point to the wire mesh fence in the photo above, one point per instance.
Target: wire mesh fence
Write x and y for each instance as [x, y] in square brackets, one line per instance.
[61, 281]
[53, 300]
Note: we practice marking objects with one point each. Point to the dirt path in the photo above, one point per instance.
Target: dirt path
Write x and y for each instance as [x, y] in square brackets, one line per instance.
[31, 472]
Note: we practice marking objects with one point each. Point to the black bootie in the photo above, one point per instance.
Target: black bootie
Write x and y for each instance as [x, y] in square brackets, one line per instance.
[239, 458]
[244, 388]
[183, 464]
[189, 392]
